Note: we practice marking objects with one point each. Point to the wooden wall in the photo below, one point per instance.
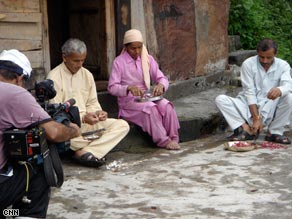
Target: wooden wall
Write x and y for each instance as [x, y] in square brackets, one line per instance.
[22, 27]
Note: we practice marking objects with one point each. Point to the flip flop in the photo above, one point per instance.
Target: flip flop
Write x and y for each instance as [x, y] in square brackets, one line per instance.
[88, 159]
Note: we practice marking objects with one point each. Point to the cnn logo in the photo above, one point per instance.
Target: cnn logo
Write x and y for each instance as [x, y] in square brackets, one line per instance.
[11, 212]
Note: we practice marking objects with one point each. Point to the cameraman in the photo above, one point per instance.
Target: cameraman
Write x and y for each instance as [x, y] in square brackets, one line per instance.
[19, 110]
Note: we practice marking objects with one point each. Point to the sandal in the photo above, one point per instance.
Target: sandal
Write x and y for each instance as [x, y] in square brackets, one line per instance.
[243, 136]
[281, 139]
[88, 159]
[236, 132]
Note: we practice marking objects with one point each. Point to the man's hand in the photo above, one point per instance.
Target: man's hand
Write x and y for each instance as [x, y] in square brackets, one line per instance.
[102, 115]
[274, 93]
[90, 118]
[257, 126]
[76, 128]
[58, 132]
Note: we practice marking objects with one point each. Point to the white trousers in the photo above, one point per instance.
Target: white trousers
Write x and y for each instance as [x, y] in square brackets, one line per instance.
[275, 114]
[115, 131]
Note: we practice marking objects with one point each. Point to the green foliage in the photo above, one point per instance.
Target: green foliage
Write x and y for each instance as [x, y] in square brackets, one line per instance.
[257, 19]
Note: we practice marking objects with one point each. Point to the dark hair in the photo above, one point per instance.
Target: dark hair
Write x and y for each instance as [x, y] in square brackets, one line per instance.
[9, 70]
[266, 44]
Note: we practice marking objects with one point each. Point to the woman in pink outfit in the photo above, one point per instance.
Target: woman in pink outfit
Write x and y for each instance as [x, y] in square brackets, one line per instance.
[132, 72]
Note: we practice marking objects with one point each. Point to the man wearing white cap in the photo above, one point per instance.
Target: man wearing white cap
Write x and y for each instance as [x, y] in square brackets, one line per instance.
[132, 73]
[24, 186]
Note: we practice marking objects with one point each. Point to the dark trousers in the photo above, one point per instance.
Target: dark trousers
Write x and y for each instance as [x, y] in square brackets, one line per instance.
[13, 189]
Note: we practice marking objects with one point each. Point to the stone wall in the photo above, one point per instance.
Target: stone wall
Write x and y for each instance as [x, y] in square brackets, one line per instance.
[190, 36]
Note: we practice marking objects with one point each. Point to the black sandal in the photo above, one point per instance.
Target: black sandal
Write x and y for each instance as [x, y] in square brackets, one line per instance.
[236, 132]
[88, 159]
[281, 139]
[243, 136]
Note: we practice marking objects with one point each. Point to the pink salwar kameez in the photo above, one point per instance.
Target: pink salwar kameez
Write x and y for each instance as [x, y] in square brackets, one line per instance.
[158, 118]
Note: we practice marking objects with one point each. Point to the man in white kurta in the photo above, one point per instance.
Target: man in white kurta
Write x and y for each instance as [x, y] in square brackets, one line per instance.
[71, 80]
[265, 99]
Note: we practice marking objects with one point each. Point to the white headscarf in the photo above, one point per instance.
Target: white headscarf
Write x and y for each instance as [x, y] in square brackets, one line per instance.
[18, 58]
[134, 35]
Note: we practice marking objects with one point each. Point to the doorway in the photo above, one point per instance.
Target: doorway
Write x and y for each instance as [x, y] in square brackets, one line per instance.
[82, 19]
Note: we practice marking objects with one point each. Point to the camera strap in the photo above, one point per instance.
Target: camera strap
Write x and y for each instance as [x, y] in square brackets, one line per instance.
[53, 167]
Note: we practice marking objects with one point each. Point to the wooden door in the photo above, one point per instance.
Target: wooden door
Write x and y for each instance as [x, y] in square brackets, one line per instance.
[85, 20]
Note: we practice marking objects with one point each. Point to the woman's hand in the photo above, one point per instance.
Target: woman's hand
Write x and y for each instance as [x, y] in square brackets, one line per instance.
[158, 90]
[136, 91]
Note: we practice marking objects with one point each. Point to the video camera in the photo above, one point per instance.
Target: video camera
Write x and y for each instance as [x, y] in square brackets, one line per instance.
[31, 143]
[63, 113]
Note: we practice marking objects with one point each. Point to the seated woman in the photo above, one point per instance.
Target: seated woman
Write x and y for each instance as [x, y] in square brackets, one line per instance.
[132, 72]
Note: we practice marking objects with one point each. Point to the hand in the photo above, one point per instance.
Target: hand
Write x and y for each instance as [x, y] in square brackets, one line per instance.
[102, 115]
[136, 91]
[76, 127]
[90, 118]
[274, 93]
[158, 90]
[257, 126]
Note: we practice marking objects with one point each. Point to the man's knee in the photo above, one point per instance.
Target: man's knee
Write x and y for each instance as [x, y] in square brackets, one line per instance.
[288, 99]
[124, 124]
[221, 99]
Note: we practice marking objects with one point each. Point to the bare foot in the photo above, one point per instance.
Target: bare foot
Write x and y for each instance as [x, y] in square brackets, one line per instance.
[172, 145]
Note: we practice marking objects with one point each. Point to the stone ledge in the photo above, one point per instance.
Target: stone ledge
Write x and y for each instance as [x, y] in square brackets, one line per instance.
[239, 56]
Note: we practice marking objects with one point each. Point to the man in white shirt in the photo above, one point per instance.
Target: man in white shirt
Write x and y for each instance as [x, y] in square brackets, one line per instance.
[265, 99]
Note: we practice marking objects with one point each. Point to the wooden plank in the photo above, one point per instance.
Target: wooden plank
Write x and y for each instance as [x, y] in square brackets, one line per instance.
[21, 17]
[45, 37]
[20, 44]
[21, 26]
[35, 58]
[110, 31]
[20, 5]
[28, 31]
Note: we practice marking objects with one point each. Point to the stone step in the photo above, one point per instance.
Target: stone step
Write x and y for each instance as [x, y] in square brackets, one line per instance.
[237, 57]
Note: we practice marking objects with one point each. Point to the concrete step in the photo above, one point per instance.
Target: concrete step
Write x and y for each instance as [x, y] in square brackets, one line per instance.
[237, 57]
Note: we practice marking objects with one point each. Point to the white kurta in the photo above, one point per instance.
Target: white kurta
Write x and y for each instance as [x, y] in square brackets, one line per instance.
[81, 87]
[256, 83]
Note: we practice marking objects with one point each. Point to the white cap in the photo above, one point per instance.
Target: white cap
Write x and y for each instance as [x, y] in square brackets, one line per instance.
[18, 58]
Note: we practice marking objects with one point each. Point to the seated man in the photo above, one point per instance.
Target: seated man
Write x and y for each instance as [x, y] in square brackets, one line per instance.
[132, 72]
[72, 80]
[265, 99]
[19, 109]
